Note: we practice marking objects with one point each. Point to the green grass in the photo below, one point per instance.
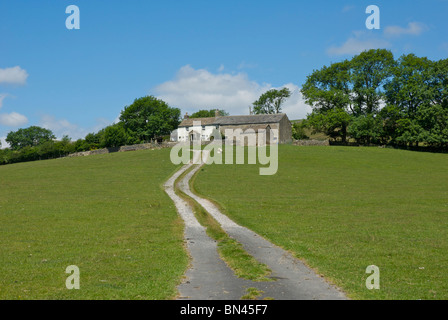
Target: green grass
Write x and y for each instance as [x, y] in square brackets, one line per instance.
[252, 294]
[106, 214]
[341, 209]
[231, 251]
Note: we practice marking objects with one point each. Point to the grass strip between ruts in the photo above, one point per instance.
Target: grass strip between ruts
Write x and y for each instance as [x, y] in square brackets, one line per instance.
[231, 251]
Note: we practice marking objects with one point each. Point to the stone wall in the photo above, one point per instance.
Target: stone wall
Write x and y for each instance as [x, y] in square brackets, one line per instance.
[311, 142]
[135, 147]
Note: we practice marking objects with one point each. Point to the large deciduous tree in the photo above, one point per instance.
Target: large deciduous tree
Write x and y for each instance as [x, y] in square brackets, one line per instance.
[418, 92]
[329, 88]
[347, 90]
[328, 91]
[271, 101]
[29, 137]
[370, 71]
[411, 85]
[148, 118]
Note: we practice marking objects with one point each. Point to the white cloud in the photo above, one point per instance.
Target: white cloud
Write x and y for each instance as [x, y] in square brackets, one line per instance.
[413, 28]
[295, 106]
[62, 127]
[4, 143]
[12, 119]
[362, 40]
[2, 96]
[358, 43]
[192, 90]
[199, 89]
[58, 126]
[14, 75]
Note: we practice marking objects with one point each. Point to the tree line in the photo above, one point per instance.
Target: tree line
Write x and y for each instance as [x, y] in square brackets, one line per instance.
[146, 119]
[375, 99]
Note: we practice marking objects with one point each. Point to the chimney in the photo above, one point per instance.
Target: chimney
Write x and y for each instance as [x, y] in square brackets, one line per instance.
[186, 116]
[217, 113]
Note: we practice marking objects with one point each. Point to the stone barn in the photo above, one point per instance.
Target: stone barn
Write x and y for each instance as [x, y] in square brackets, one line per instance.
[257, 122]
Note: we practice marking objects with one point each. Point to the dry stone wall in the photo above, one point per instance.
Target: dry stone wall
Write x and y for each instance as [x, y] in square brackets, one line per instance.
[311, 142]
[135, 147]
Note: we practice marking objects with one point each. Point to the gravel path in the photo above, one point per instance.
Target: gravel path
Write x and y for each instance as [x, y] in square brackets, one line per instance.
[210, 278]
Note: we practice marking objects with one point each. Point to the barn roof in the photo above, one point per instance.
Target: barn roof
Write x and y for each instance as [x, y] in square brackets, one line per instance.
[252, 119]
[204, 121]
[235, 120]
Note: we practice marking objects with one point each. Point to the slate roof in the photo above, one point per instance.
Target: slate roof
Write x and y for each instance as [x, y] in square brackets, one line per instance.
[252, 119]
[235, 120]
[204, 121]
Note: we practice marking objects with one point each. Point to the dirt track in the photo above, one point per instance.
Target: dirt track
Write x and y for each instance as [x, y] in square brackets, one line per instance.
[210, 278]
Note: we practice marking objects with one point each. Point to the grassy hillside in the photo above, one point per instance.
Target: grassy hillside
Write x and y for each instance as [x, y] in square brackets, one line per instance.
[342, 209]
[106, 214]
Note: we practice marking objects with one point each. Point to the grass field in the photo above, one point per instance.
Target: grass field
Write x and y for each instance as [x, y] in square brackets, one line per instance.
[341, 209]
[106, 214]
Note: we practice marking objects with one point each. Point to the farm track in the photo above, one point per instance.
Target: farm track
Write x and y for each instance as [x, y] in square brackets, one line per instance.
[209, 278]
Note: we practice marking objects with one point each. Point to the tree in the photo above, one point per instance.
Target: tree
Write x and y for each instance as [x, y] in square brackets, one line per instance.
[433, 124]
[418, 92]
[80, 145]
[389, 116]
[64, 147]
[440, 82]
[5, 156]
[347, 90]
[329, 87]
[412, 84]
[148, 118]
[328, 92]
[114, 136]
[29, 137]
[93, 141]
[271, 101]
[370, 71]
[208, 113]
[374, 98]
[366, 129]
[333, 123]
[298, 131]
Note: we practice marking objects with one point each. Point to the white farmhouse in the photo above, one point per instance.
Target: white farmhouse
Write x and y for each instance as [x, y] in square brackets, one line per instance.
[196, 129]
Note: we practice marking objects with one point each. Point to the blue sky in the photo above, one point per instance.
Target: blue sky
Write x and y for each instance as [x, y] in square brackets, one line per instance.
[192, 54]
